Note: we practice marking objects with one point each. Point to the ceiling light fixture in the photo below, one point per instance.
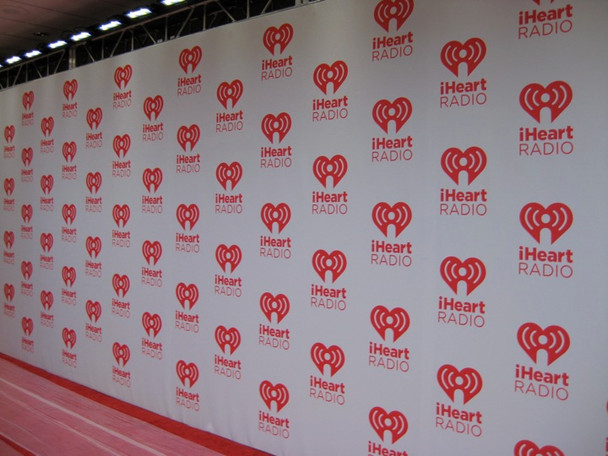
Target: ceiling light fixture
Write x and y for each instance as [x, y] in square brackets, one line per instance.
[32, 53]
[172, 2]
[56, 44]
[109, 25]
[80, 36]
[13, 59]
[138, 13]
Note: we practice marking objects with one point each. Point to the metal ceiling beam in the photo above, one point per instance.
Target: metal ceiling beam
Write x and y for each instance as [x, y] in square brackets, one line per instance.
[195, 17]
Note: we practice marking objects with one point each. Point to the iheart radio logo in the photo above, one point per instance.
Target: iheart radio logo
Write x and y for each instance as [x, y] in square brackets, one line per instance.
[227, 337]
[187, 295]
[46, 125]
[94, 117]
[553, 339]
[69, 338]
[467, 380]
[93, 246]
[26, 213]
[9, 239]
[187, 216]
[230, 92]
[471, 52]
[121, 214]
[472, 161]
[279, 124]
[279, 214]
[555, 97]
[46, 299]
[121, 353]
[93, 181]
[190, 58]
[398, 111]
[557, 218]
[69, 150]
[388, 10]
[26, 270]
[397, 320]
[187, 137]
[46, 241]
[122, 76]
[121, 145]
[152, 252]
[9, 133]
[394, 422]
[121, 285]
[46, 183]
[528, 448]
[281, 36]
[9, 291]
[152, 324]
[93, 309]
[332, 356]
[68, 212]
[398, 215]
[28, 100]
[69, 89]
[9, 185]
[187, 371]
[152, 178]
[68, 274]
[228, 256]
[278, 305]
[279, 394]
[335, 74]
[27, 153]
[27, 324]
[334, 167]
[229, 173]
[324, 262]
[472, 271]
[153, 107]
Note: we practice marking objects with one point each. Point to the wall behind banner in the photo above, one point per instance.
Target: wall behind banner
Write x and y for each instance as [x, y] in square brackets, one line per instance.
[371, 229]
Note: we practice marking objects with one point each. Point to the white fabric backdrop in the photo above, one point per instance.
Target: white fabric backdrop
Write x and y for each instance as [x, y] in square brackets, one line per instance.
[338, 229]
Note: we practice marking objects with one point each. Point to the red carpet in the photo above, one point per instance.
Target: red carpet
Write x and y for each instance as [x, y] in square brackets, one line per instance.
[22, 382]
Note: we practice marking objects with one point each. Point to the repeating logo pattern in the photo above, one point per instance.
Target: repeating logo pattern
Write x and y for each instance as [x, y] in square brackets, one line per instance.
[397, 111]
[332, 356]
[187, 371]
[190, 58]
[554, 340]
[394, 422]
[122, 76]
[471, 271]
[69, 89]
[278, 394]
[467, 380]
[334, 74]
[528, 448]
[187, 295]
[280, 36]
[324, 262]
[557, 218]
[555, 97]
[471, 161]
[393, 10]
[227, 339]
[471, 52]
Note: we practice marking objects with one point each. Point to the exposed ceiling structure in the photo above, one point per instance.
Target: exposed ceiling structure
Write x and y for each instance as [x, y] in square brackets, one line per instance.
[31, 25]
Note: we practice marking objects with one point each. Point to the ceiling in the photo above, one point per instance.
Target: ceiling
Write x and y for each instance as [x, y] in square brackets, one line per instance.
[26, 24]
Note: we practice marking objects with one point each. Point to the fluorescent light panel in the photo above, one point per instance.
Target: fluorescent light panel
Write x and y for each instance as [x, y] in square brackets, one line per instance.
[138, 13]
[172, 2]
[109, 25]
[57, 44]
[33, 53]
[13, 59]
[80, 36]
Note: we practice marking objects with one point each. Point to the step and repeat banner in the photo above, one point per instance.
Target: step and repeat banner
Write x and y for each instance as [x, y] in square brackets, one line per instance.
[372, 227]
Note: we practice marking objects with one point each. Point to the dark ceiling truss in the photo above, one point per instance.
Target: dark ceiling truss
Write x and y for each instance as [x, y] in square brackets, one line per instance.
[197, 16]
